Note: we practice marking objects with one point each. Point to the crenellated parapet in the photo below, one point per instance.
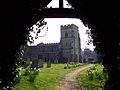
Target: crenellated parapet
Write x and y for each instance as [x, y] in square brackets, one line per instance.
[51, 43]
[47, 44]
[69, 26]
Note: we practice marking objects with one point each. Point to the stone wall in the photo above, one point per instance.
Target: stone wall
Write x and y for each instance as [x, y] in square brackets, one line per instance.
[70, 43]
[68, 50]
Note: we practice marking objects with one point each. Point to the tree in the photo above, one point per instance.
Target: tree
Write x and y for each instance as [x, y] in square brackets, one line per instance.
[104, 21]
[101, 16]
[17, 18]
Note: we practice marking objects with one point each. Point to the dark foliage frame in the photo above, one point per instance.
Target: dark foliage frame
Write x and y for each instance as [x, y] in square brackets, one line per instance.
[17, 16]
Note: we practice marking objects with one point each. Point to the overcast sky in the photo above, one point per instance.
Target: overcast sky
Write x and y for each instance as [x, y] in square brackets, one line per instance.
[53, 33]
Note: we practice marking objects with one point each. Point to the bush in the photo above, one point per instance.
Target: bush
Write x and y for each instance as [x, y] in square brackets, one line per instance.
[99, 75]
[78, 65]
[74, 66]
[31, 78]
[27, 71]
[93, 78]
[35, 72]
[18, 79]
[31, 73]
[69, 67]
[93, 68]
[90, 75]
[65, 67]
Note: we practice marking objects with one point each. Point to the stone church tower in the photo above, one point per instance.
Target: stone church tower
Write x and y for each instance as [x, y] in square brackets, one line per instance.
[68, 50]
[70, 43]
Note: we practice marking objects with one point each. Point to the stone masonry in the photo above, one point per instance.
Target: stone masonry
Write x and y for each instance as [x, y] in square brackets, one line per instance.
[67, 51]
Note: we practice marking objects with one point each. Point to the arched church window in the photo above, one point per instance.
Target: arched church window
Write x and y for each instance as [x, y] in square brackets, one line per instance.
[66, 34]
[72, 34]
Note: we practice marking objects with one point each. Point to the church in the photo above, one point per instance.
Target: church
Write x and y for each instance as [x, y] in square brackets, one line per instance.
[68, 50]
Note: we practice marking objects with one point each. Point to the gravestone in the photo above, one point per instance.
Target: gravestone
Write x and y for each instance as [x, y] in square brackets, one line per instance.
[34, 64]
[40, 63]
[48, 64]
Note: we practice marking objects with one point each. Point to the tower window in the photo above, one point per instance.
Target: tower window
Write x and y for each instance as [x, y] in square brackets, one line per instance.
[66, 34]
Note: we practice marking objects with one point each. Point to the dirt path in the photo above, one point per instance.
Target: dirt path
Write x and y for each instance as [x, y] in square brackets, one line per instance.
[69, 83]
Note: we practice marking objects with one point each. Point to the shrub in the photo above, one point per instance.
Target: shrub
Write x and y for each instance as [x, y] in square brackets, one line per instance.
[74, 66]
[90, 75]
[93, 68]
[31, 78]
[77, 65]
[69, 67]
[27, 71]
[99, 75]
[65, 67]
[35, 72]
[18, 79]
[95, 79]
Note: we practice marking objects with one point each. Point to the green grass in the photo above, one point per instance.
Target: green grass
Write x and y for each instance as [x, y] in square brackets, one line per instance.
[92, 78]
[46, 79]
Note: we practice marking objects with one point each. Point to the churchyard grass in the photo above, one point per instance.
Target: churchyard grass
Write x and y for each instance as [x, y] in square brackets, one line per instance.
[46, 79]
[92, 78]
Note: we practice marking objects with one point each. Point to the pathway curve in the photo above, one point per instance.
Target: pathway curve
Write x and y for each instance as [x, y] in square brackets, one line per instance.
[69, 82]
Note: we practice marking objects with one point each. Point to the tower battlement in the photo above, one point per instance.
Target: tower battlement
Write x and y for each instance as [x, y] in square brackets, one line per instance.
[51, 43]
[69, 26]
[44, 44]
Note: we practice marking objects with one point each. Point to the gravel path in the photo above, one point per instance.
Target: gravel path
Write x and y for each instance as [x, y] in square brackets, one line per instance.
[69, 83]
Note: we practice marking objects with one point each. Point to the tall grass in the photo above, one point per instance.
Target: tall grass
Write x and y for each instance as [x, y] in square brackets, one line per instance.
[93, 78]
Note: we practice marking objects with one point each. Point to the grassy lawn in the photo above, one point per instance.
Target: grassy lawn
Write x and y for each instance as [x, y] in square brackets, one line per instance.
[46, 79]
[92, 78]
